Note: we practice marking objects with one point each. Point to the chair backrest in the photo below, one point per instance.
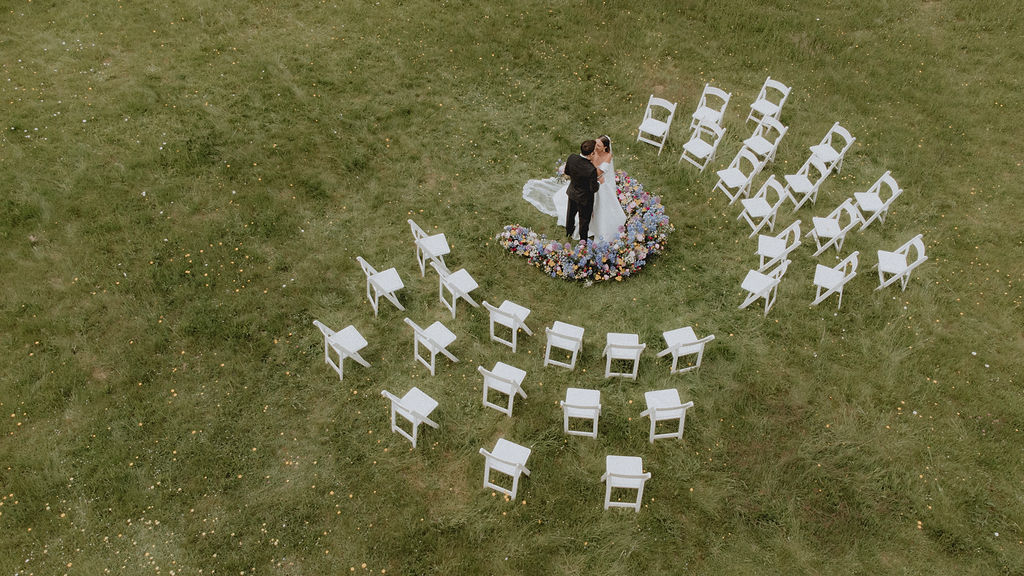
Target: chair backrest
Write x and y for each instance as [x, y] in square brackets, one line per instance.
[849, 208]
[768, 126]
[655, 102]
[886, 181]
[418, 332]
[843, 133]
[327, 332]
[917, 243]
[791, 235]
[710, 133]
[815, 163]
[441, 269]
[417, 232]
[367, 269]
[722, 95]
[779, 270]
[775, 85]
[718, 94]
[612, 476]
[751, 158]
[849, 265]
[625, 350]
[771, 184]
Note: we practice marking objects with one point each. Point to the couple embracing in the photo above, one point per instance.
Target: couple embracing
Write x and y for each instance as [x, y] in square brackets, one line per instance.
[591, 197]
[589, 202]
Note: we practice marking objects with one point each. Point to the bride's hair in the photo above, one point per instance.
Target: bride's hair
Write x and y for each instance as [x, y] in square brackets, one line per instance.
[607, 143]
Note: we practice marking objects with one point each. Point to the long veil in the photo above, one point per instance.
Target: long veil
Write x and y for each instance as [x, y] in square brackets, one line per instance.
[541, 193]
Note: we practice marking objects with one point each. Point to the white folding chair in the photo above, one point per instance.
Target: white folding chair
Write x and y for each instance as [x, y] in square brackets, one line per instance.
[772, 249]
[735, 180]
[665, 405]
[897, 265]
[346, 343]
[757, 211]
[769, 101]
[458, 284]
[681, 343]
[871, 202]
[804, 185]
[766, 138]
[567, 337]
[702, 146]
[657, 120]
[384, 283]
[433, 247]
[763, 285]
[831, 230]
[831, 280]
[505, 379]
[711, 108]
[507, 458]
[436, 339]
[622, 347]
[626, 472]
[831, 151]
[582, 405]
[415, 407]
[510, 315]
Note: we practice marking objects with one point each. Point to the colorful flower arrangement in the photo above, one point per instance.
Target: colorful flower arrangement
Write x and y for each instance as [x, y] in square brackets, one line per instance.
[642, 236]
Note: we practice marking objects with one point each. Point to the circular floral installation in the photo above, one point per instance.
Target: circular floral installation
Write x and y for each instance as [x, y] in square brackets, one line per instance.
[642, 236]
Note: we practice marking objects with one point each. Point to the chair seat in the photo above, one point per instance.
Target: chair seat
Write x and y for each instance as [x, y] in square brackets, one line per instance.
[566, 335]
[765, 107]
[653, 126]
[826, 153]
[756, 282]
[827, 277]
[757, 207]
[707, 115]
[514, 309]
[759, 145]
[508, 372]
[680, 336]
[625, 466]
[388, 280]
[434, 246]
[461, 280]
[799, 182]
[417, 401]
[663, 399]
[868, 201]
[440, 333]
[348, 338]
[620, 339]
[732, 177]
[698, 148]
[509, 452]
[581, 403]
[770, 246]
[891, 262]
[826, 227]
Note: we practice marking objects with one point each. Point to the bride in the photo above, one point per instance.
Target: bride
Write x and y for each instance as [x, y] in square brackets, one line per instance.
[549, 196]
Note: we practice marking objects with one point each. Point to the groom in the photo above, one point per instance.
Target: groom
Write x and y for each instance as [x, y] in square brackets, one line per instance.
[583, 185]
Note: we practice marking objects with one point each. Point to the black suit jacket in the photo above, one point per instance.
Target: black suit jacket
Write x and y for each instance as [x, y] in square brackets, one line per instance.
[583, 182]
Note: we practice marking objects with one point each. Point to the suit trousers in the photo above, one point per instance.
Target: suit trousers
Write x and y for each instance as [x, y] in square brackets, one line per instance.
[585, 212]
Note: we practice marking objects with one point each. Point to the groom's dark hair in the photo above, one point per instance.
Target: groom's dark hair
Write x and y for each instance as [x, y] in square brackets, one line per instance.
[587, 147]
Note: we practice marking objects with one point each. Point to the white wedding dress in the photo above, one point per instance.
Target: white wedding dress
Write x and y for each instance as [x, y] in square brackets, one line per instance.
[549, 196]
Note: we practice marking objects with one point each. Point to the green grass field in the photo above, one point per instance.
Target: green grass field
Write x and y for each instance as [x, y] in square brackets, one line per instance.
[186, 186]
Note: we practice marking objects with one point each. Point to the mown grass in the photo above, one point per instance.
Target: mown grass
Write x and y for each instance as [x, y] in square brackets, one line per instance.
[187, 186]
